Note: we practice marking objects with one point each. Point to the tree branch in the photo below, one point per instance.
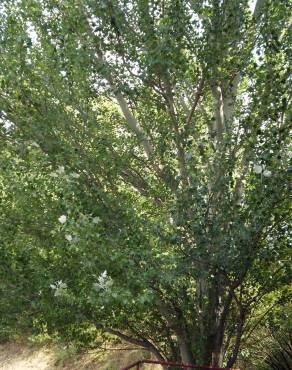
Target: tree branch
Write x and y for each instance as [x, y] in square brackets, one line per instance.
[130, 118]
[239, 332]
[132, 122]
[139, 342]
[258, 9]
[180, 150]
[196, 101]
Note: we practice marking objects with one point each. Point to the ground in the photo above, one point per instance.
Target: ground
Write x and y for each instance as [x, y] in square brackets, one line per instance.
[23, 356]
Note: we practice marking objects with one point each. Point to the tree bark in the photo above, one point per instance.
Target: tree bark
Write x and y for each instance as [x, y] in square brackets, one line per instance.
[185, 349]
[235, 351]
[214, 323]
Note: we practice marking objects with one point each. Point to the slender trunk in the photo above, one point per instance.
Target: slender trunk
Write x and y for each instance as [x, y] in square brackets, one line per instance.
[235, 351]
[219, 124]
[175, 124]
[215, 317]
[210, 326]
[229, 97]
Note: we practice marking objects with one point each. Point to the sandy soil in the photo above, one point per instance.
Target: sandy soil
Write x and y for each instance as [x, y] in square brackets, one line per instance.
[15, 356]
[21, 356]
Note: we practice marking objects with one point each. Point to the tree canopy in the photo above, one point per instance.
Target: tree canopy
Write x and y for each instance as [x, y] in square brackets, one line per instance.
[145, 170]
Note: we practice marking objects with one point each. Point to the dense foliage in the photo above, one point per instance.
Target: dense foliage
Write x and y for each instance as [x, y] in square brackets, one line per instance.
[145, 170]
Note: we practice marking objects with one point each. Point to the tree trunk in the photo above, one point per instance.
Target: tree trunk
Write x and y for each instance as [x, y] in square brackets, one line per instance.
[235, 351]
[216, 313]
[213, 350]
[185, 350]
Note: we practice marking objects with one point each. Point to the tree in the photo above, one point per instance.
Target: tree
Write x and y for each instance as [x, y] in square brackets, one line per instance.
[163, 126]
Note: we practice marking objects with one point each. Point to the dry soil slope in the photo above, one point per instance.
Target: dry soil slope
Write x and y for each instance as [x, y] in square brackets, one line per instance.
[21, 356]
